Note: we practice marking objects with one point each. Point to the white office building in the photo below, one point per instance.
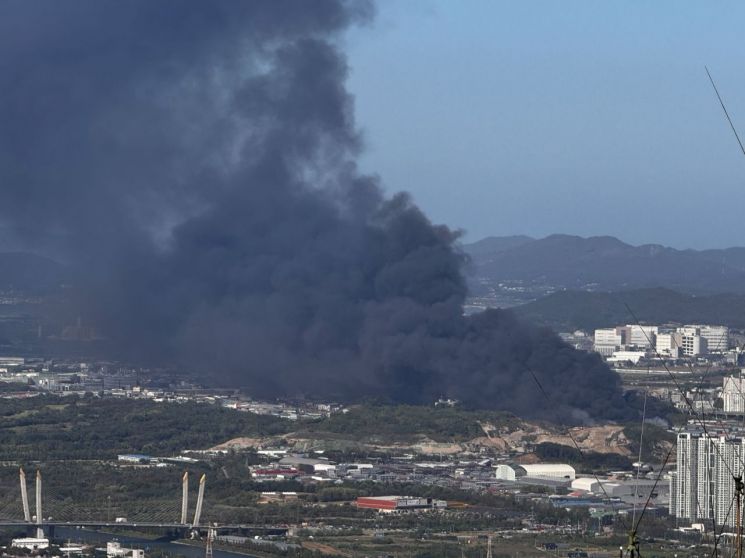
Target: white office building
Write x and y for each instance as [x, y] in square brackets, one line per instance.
[717, 337]
[641, 336]
[669, 344]
[609, 340]
[693, 345]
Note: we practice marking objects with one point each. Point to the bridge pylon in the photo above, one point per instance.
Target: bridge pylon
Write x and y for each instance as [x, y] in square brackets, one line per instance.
[24, 496]
[39, 515]
[184, 497]
[200, 501]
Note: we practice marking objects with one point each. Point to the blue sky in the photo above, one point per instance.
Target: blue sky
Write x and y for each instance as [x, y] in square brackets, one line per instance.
[535, 117]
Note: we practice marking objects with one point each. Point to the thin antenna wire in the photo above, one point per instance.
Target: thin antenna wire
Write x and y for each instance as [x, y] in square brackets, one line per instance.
[724, 108]
[576, 445]
[702, 423]
[717, 538]
[641, 443]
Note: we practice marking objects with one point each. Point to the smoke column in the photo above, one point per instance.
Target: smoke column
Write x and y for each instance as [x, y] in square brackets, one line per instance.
[195, 162]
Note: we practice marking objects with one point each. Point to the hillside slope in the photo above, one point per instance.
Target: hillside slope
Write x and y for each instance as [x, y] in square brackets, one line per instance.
[601, 263]
[570, 310]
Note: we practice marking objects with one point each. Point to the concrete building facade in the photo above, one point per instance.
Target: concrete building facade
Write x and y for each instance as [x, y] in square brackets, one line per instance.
[702, 486]
[716, 336]
[733, 394]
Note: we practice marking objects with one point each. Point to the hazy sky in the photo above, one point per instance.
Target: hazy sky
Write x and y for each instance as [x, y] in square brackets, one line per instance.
[536, 117]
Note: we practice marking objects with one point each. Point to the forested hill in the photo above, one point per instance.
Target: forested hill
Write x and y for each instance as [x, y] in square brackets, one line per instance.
[603, 263]
[570, 310]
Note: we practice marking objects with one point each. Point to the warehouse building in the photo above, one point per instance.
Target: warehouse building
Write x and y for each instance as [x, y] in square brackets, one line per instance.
[399, 503]
[552, 471]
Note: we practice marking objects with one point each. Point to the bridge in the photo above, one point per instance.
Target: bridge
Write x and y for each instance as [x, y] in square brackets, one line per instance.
[170, 519]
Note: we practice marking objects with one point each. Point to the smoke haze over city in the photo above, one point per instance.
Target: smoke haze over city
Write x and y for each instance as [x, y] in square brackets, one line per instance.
[197, 170]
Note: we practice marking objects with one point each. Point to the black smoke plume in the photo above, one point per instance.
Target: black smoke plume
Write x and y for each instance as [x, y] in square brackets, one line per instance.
[195, 162]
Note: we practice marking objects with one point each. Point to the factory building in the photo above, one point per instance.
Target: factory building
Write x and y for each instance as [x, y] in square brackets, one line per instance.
[271, 474]
[553, 471]
[114, 549]
[399, 503]
[134, 458]
[30, 543]
[629, 491]
[627, 356]
[586, 484]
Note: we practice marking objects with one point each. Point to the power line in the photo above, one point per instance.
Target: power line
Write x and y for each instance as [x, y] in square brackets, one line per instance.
[724, 108]
[574, 441]
[702, 423]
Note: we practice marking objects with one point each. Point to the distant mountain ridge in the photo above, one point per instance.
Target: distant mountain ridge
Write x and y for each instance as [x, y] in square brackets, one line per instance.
[602, 263]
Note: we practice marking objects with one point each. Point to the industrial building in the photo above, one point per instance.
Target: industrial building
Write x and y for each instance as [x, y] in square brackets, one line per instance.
[627, 356]
[586, 484]
[629, 491]
[553, 471]
[31, 543]
[399, 503]
[134, 458]
[307, 464]
[115, 549]
[261, 474]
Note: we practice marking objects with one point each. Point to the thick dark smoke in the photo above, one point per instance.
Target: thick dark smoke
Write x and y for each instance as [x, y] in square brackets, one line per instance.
[195, 161]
